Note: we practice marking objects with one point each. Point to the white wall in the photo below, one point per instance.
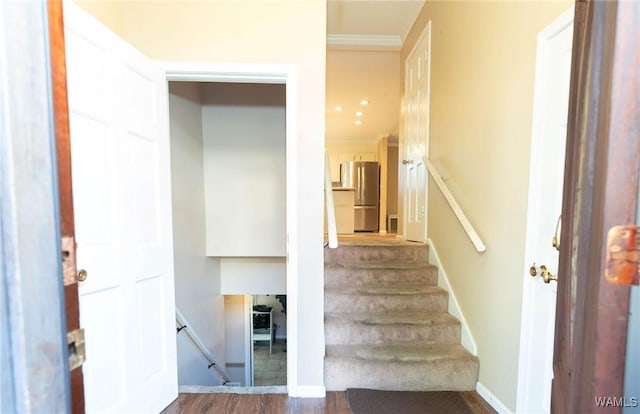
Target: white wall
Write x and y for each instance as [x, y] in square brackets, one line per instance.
[197, 277]
[235, 337]
[244, 151]
[253, 275]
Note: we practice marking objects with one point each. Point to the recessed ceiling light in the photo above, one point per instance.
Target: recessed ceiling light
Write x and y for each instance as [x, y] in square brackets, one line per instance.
[364, 102]
[358, 113]
[338, 108]
[358, 122]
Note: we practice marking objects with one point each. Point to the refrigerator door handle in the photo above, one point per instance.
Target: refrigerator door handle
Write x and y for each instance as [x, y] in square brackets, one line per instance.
[359, 196]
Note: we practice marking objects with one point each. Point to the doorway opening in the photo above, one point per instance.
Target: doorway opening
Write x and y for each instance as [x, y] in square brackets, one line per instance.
[269, 340]
[233, 184]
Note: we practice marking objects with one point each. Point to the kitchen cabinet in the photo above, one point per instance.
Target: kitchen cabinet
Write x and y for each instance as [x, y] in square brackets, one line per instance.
[336, 158]
[343, 200]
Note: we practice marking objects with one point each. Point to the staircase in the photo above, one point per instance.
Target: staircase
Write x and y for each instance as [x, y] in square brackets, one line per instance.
[386, 321]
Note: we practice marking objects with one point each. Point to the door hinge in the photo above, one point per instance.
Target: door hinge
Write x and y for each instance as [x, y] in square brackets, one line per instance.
[75, 344]
[622, 258]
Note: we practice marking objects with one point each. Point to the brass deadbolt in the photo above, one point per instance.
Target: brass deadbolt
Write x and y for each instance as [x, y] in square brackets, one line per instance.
[82, 275]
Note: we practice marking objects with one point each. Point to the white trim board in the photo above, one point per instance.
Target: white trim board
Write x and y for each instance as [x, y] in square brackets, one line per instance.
[453, 306]
[380, 43]
[307, 391]
[492, 400]
[265, 73]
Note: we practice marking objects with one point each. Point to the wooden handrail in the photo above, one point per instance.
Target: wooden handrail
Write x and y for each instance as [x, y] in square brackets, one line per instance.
[332, 230]
[457, 210]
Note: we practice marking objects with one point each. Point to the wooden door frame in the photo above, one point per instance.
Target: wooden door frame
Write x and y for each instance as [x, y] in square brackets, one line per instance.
[602, 159]
[63, 153]
[33, 348]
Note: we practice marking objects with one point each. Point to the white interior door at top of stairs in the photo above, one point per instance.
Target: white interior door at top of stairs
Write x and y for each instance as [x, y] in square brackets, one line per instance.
[121, 189]
[415, 139]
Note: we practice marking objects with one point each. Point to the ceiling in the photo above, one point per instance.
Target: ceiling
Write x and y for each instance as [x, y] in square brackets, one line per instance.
[364, 39]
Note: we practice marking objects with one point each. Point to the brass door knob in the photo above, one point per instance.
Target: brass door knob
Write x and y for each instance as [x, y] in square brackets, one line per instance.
[82, 275]
[546, 275]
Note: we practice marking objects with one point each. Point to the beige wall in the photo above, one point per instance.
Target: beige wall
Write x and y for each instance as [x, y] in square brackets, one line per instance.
[482, 81]
[285, 32]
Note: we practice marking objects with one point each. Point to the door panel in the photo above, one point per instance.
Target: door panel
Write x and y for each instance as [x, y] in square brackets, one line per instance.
[602, 165]
[415, 140]
[553, 68]
[120, 157]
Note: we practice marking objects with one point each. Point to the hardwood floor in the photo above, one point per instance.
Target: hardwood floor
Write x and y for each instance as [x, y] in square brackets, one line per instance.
[334, 403]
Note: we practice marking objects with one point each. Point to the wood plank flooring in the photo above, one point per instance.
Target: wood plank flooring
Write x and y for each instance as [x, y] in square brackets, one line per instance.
[334, 403]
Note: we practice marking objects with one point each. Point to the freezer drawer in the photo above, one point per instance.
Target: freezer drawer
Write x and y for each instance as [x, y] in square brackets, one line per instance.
[365, 218]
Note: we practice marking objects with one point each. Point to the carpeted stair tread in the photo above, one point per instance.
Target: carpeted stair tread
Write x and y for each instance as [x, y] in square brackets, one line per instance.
[400, 367]
[346, 253]
[370, 265]
[386, 241]
[386, 290]
[380, 273]
[393, 318]
[400, 353]
[372, 328]
[381, 299]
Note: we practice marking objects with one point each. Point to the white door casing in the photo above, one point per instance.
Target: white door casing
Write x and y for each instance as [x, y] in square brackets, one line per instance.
[118, 118]
[268, 73]
[415, 138]
[553, 67]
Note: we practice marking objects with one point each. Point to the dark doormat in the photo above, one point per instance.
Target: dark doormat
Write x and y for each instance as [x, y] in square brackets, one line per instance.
[363, 401]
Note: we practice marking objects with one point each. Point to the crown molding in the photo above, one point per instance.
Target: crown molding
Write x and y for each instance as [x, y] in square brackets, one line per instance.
[387, 43]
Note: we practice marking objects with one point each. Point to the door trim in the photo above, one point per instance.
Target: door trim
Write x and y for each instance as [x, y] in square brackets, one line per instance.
[529, 312]
[278, 74]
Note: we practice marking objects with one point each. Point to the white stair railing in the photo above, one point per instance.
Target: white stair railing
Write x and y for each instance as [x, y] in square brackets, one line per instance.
[331, 210]
[457, 210]
[183, 325]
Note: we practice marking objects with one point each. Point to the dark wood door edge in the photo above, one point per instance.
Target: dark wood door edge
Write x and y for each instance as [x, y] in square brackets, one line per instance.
[63, 153]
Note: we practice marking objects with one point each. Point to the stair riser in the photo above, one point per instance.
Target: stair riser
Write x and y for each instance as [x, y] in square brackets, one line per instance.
[349, 276]
[350, 333]
[350, 303]
[450, 375]
[346, 253]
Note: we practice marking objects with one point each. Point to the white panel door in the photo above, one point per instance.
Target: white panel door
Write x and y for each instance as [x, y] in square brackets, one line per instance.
[545, 204]
[415, 140]
[121, 190]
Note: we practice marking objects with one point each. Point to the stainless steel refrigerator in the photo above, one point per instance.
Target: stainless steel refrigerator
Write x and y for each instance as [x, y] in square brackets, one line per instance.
[364, 176]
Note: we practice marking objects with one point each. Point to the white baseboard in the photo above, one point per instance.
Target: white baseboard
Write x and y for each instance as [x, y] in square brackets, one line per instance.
[492, 399]
[307, 391]
[454, 308]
